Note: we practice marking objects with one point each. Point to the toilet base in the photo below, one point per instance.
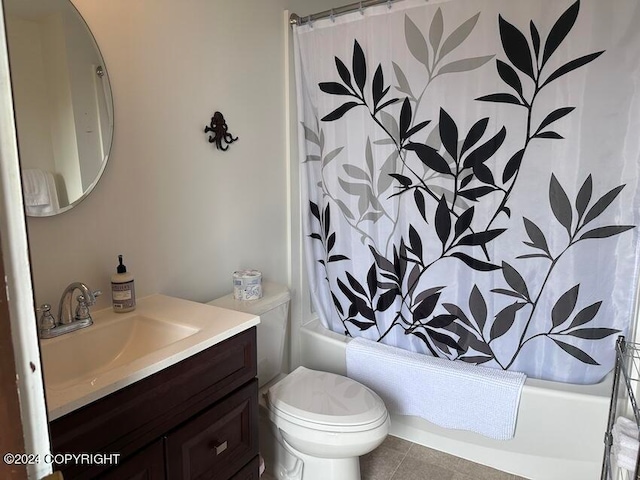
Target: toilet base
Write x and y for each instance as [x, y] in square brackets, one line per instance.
[314, 468]
[284, 462]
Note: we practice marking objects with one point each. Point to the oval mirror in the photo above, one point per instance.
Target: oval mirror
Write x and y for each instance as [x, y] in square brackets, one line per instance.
[63, 104]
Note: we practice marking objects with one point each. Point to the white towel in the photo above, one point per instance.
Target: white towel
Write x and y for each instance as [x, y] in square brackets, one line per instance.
[450, 394]
[39, 210]
[34, 187]
[625, 443]
[627, 426]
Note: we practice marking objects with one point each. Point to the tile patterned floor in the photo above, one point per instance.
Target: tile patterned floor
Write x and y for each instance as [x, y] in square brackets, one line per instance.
[398, 459]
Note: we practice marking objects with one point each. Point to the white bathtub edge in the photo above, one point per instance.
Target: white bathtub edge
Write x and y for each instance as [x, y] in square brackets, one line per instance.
[576, 457]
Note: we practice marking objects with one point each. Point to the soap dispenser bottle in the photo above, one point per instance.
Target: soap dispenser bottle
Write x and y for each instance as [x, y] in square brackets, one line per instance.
[123, 294]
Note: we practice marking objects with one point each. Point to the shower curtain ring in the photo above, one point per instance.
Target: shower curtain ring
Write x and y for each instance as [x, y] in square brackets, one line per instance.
[389, 4]
[332, 16]
[309, 21]
[361, 9]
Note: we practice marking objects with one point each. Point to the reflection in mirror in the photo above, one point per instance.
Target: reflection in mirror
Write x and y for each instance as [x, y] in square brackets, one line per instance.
[63, 104]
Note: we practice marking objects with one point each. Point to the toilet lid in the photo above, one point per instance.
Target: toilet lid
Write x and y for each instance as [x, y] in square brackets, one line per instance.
[327, 399]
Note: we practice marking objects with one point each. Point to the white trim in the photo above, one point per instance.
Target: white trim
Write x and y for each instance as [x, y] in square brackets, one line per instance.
[301, 308]
[288, 159]
[15, 254]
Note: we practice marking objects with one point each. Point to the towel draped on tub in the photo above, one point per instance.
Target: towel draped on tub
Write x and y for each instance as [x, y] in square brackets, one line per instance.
[449, 394]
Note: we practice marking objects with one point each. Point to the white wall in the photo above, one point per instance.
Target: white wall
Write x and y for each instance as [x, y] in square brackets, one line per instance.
[184, 215]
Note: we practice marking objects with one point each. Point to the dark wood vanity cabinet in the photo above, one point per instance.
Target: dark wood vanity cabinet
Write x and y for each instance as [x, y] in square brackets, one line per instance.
[147, 464]
[219, 440]
[197, 419]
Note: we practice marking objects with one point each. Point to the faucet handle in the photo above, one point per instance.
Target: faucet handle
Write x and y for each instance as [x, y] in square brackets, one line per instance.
[82, 309]
[46, 321]
[95, 294]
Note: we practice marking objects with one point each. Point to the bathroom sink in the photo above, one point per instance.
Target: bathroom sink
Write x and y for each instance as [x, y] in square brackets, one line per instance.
[84, 355]
[120, 349]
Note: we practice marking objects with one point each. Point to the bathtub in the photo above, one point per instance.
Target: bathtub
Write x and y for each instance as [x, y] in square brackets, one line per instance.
[559, 433]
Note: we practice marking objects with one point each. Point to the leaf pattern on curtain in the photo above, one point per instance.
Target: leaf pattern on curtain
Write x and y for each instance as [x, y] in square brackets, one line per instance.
[450, 179]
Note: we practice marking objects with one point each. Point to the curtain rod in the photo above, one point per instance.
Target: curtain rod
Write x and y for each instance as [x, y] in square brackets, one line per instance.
[352, 7]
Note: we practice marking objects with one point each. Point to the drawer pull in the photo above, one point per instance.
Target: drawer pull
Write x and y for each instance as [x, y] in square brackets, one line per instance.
[221, 448]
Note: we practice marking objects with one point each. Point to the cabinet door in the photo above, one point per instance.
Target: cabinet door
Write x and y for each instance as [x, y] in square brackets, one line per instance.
[251, 471]
[147, 464]
[218, 443]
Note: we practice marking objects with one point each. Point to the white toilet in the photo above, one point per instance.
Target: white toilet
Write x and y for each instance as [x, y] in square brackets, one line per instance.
[313, 425]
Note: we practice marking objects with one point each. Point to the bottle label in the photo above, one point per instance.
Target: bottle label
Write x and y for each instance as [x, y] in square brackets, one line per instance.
[123, 295]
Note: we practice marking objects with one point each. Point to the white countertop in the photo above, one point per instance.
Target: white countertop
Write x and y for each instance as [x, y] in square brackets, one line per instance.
[206, 326]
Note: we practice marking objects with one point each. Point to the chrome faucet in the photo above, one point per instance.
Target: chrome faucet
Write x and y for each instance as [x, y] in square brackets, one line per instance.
[68, 321]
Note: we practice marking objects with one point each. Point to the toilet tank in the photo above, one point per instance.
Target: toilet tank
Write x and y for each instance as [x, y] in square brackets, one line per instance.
[273, 309]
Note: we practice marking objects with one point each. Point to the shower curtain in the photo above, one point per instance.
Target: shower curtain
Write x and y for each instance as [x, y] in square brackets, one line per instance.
[470, 175]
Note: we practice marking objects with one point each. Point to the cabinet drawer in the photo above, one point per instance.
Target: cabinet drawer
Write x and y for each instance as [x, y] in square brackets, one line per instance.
[217, 443]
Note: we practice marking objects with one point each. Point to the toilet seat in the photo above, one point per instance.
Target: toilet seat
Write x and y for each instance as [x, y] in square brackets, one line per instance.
[325, 401]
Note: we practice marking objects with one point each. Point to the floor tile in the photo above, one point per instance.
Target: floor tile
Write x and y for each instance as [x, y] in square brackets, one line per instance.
[463, 476]
[381, 464]
[413, 468]
[475, 471]
[398, 459]
[434, 457]
[397, 443]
